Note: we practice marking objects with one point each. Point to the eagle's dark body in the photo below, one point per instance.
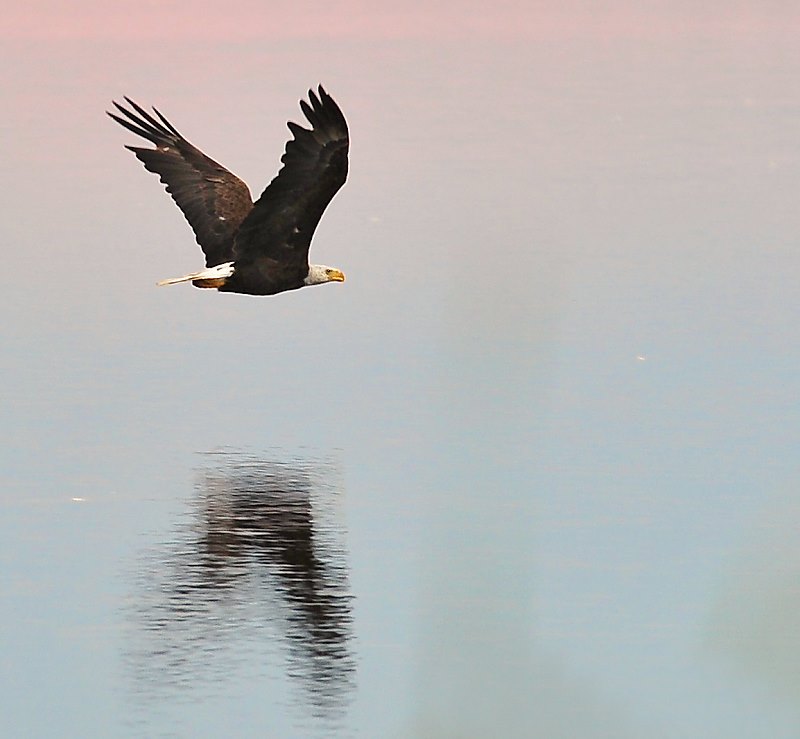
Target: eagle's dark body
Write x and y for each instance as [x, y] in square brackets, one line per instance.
[268, 241]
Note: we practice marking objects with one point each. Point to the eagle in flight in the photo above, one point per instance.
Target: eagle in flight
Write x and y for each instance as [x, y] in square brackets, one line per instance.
[256, 248]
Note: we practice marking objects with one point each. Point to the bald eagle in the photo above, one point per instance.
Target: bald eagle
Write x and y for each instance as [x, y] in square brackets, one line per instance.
[256, 248]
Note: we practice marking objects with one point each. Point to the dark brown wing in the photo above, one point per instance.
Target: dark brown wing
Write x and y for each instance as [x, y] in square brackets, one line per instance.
[283, 220]
[214, 201]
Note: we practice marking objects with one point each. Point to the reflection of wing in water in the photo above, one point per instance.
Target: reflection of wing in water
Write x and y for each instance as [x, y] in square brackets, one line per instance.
[261, 562]
[261, 514]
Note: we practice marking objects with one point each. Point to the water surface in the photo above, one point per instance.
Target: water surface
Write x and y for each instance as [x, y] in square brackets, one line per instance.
[530, 472]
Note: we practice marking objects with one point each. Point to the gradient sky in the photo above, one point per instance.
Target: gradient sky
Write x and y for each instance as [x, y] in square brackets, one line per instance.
[284, 19]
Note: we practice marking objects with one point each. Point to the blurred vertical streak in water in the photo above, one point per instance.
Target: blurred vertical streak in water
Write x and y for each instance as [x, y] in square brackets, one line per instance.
[259, 567]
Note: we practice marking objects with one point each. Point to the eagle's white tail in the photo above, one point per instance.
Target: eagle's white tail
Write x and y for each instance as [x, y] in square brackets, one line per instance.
[221, 271]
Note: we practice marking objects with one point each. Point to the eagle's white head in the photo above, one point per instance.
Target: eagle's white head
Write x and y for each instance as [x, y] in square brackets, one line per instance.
[319, 273]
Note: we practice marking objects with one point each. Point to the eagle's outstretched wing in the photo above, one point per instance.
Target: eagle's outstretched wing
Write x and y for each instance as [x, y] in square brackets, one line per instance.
[214, 201]
[282, 222]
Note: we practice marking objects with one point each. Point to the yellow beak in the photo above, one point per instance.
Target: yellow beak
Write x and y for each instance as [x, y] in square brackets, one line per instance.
[335, 275]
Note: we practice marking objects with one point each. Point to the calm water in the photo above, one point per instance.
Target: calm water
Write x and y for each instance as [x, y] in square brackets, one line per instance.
[531, 472]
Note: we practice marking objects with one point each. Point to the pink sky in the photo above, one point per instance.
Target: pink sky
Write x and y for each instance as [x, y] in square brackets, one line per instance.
[252, 19]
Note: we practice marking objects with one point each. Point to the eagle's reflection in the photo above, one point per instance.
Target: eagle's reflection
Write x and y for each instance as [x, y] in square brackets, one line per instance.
[255, 583]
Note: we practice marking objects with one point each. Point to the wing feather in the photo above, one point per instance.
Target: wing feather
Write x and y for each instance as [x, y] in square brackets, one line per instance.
[213, 200]
[282, 221]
